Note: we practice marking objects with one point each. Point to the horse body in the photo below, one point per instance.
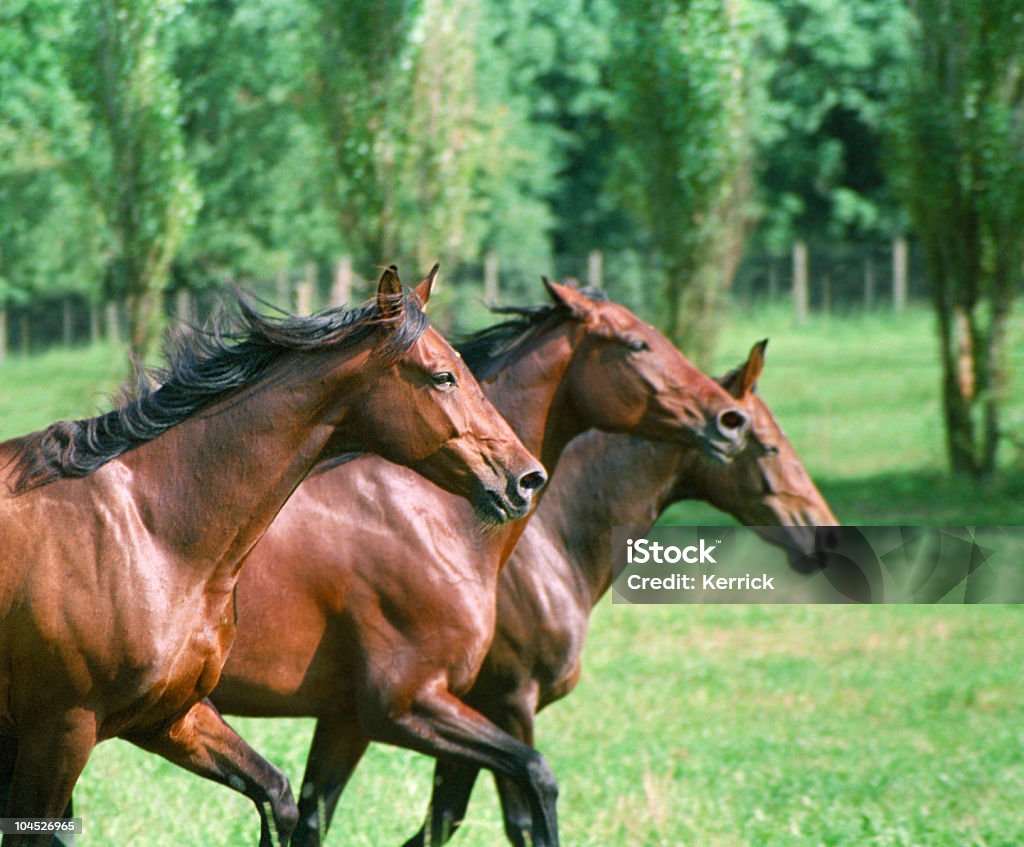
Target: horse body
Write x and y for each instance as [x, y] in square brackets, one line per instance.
[562, 567]
[116, 605]
[388, 629]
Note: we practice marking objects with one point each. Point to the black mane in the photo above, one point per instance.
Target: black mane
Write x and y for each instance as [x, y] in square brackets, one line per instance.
[488, 348]
[203, 365]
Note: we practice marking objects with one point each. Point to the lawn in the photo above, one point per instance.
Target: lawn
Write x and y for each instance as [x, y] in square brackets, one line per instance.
[706, 726]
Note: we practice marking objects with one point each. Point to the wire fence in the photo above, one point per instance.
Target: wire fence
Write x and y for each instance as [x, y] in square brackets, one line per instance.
[815, 277]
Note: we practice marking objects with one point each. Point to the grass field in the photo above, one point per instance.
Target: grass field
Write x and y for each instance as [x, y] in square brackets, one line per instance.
[706, 726]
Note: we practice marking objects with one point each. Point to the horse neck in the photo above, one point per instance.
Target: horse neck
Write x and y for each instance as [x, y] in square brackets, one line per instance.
[605, 481]
[531, 394]
[210, 486]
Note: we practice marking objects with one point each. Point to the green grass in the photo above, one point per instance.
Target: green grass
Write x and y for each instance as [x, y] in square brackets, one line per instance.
[705, 726]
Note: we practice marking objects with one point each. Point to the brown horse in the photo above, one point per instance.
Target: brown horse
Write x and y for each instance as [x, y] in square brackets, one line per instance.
[123, 536]
[386, 630]
[562, 566]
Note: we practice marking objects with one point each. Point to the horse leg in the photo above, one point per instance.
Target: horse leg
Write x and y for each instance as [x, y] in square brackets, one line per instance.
[50, 758]
[449, 799]
[201, 742]
[333, 756]
[440, 725]
[8, 754]
[516, 718]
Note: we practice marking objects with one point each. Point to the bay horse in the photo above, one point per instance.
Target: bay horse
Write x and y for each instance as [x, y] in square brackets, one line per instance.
[123, 535]
[385, 631]
[562, 567]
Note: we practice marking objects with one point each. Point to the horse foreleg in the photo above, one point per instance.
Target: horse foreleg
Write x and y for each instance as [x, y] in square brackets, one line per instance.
[516, 717]
[449, 799]
[201, 742]
[336, 750]
[8, 756]
[49, 760]
[440, 725]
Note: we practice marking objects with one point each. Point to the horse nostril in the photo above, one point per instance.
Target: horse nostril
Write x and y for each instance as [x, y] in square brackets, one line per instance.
[533, 481]
[732, 420]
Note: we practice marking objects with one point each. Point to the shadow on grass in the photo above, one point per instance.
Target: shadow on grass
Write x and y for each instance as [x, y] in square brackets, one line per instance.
[926, 497]
[900, 497]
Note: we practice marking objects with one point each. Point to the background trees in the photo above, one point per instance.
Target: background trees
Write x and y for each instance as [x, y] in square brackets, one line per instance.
[149, 146]
[958, 164]
[135, 163]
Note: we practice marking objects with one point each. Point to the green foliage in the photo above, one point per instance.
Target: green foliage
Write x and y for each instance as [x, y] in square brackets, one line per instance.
[681, 145]
[136, 162]
[360, 88]
[242, 72]
[826, 68]
[957, 159]
[41, 124]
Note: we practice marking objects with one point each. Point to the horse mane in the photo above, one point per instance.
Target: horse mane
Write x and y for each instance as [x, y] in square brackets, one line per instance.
[203, 365]
[487, 349]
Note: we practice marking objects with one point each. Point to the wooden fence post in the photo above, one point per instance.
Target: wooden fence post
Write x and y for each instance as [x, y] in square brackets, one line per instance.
[899, 274]
[67, 322]
[3, 333]
[306, 291]
[595, 268]
[341, 288]
[113, 323]
[26, 333]
[94, 323]
[869, 283]
[282, 292]
[183, 306]
[491, 278]
[800, 282]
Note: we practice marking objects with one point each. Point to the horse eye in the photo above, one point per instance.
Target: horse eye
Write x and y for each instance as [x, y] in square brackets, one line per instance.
[444, 379]
[769, 450]
[637, 345]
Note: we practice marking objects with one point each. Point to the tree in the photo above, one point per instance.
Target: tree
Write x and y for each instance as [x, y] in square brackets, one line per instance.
[361, 80]
[42, 126]
[138, 165]
[957, 160]
[826, 70]
[682, 147]
[241, 69]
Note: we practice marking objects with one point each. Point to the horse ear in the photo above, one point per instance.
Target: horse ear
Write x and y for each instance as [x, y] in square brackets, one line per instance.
[423, 289]
[741, 380]
[579, 305]
[390, 303]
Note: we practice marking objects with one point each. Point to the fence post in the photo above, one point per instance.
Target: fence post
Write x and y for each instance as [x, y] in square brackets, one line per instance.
[491, 278]
[899, 274]
[67, 324]
[26, 333]
[183, 306]
[869, 283]
[800, 282]
[3, 333]
[305, 290]
[341, 289]
[284, 300]
[94, 323]
[595, 268]
[113, 323]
